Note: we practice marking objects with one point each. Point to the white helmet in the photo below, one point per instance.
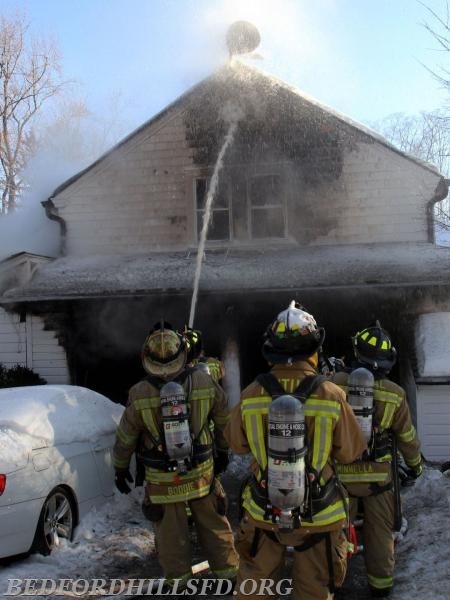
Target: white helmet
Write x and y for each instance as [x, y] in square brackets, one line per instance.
[292, 336]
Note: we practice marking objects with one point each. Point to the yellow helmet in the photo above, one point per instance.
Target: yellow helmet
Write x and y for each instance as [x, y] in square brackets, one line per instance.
[164, 352]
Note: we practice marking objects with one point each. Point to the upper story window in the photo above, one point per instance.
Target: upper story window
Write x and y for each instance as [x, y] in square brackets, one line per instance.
[267, 218]
[244, 208]
[219, 226]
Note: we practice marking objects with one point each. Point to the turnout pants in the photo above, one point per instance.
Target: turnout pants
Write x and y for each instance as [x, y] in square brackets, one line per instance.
[378, 541]
[262, 559]
[214, 534]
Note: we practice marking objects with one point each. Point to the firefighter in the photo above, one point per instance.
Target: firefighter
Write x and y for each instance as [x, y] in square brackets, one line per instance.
[324, 429]
[196, 355]
[370, 481]
[170, 411]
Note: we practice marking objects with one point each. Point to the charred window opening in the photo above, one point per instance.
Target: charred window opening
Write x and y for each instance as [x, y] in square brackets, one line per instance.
[267, 212]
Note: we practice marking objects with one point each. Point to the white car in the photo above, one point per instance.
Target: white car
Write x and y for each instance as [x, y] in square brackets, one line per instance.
[55, 462]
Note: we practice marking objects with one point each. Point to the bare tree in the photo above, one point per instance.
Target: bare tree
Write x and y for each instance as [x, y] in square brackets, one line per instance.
[29, 76]
[439, 29]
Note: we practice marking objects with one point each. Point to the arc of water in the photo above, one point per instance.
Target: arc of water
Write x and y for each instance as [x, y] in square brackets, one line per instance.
[207, 216]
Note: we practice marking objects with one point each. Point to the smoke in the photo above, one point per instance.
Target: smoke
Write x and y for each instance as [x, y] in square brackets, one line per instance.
[69, 140]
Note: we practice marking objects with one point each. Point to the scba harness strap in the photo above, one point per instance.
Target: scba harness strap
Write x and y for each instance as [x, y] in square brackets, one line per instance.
[319, 497]
[158, 458]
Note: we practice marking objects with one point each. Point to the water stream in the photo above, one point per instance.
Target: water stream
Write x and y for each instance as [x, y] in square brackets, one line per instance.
[207, 216]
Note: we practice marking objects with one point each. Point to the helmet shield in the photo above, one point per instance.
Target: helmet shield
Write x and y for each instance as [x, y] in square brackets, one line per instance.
[294, 335]
[164, 353]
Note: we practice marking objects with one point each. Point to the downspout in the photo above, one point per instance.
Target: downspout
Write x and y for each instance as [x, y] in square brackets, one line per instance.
[440, 193]
[52, 213]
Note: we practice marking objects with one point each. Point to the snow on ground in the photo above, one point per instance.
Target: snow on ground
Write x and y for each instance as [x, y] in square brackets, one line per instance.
[116, 541]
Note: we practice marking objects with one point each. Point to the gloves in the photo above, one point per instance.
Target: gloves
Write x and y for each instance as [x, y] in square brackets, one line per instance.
[121, 478]
[221, 461]
[409, 475]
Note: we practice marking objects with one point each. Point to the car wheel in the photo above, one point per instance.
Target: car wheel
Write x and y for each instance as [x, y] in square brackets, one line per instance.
[56, 521]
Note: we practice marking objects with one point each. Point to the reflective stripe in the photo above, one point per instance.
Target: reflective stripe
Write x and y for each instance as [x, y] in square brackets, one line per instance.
[254, 427]
[225, 573]
[202, 393]
[127, 439]
[388, 416]
[334, 512]
[385, 458]
[316, 407]
[413, 462]
[148, 416]
[121, 463]
[391, 400]
[323, 432]
[258, 405]
[380, 583]
[363, 477]
[151, 402]
[182, 578]
[163, 477]
[181, 496]
[408, 436]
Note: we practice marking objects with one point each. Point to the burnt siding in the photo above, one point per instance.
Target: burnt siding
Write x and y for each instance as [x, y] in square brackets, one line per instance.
[338, 189]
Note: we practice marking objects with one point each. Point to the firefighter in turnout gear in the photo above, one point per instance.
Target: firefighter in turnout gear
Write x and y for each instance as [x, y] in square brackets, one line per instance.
[388, 425]
[196, 355]
[169, 414]
[295, 423]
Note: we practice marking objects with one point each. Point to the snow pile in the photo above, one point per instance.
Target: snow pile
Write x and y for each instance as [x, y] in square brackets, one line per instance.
[34, 416]
[433, 344]
[116, 542]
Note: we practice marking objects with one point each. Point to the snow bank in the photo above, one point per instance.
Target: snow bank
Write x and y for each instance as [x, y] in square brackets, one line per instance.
[35, 416]
[433, 344]
[116, 541]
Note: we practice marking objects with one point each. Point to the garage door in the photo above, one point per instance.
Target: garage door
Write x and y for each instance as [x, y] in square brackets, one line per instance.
[433, 421]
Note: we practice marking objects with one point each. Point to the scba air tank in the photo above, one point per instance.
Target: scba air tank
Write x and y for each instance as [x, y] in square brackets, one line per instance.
[175, 420]
[286, 457]
[360, 398]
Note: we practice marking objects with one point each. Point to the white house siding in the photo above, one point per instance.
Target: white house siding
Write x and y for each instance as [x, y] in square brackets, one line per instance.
[13, 340]
[433, 421]
[380, 197]
[134, 200]
[139, 198]
[27, 343]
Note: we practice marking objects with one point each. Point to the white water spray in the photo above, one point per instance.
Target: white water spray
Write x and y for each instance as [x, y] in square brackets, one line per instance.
[233, 114]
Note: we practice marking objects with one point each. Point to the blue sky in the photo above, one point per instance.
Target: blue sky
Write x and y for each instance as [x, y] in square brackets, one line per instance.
[361, 57]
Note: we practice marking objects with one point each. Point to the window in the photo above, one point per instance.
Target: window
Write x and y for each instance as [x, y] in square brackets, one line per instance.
[244, 207]
[219, 226]
[267, 219]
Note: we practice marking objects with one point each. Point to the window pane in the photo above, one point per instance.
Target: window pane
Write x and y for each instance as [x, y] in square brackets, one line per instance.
[201, 186]
[267, 223]
[264, 190]
[219, 227]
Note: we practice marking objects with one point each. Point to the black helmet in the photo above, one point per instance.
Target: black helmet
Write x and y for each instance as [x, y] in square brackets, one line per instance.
[293, 335]
[194, 343]
[373, 346]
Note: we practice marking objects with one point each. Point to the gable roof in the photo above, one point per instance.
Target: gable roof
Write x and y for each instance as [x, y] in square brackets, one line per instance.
[239, 73]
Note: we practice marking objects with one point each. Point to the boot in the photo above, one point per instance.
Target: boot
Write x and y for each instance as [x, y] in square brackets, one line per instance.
[380, 592]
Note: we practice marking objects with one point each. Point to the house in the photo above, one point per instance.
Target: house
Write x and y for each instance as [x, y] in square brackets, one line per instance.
[309, 205]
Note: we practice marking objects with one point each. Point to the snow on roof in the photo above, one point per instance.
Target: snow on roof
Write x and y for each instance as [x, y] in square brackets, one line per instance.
[234, 270]
[36, 416]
